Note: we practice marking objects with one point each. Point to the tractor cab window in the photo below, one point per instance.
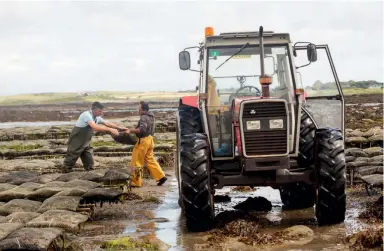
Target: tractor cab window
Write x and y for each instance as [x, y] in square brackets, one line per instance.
[230, 77]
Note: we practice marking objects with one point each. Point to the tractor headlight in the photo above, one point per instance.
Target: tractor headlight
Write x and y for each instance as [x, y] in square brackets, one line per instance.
[276, 124]
[253, 125]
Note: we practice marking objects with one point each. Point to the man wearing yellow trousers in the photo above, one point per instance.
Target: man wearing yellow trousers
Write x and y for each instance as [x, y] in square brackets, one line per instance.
[143, 150]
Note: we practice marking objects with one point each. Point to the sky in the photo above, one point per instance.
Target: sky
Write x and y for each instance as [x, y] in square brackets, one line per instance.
[133, 46]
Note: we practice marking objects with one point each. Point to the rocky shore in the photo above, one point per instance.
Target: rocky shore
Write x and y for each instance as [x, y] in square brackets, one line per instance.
[47, 210]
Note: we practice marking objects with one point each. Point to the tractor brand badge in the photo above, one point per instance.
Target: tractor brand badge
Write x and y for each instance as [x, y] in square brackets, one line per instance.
[252, 112]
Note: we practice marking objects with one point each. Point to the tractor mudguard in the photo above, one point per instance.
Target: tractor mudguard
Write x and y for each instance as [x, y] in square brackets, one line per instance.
[189, 101]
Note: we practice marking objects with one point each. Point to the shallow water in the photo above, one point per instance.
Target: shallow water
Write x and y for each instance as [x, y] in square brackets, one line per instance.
[174, 233]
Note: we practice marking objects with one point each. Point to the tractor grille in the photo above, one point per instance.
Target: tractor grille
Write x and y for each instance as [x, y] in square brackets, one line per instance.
[265, 141]
[264, 110]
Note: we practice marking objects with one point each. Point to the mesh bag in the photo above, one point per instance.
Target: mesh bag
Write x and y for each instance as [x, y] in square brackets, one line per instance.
[6, 186]
[94, 175]
[122, 170]
[20, 217]
[34, 239]
[18, 178]
[54, 184]
[7, 228]
[64, 219]
[114, 177]
[45, 178]
[43, 193]
[81, 183]
[19, 205]
[76, 191]
[125, 139]
[103, 195]
[14, 193]
[30, 186]
[70, 176]
[69, 203]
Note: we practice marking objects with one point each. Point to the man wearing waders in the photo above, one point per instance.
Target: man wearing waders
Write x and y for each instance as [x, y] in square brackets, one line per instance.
[143, 151]
[81, 135]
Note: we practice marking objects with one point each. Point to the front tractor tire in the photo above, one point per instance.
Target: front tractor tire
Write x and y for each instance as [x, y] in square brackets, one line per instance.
[301, 195]
[330, 171]
[193, 170]
[197, 199]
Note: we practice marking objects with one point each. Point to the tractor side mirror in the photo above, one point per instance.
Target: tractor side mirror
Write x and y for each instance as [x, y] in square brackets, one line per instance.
[184, 60]
[311, 53]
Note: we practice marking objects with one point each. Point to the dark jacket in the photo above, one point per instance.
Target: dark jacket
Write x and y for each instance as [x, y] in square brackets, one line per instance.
[146, 125]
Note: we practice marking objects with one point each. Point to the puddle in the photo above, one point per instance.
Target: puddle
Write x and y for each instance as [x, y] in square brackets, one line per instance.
[169, 227]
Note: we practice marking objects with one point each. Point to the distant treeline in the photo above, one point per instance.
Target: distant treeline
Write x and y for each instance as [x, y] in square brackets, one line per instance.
[318, 85]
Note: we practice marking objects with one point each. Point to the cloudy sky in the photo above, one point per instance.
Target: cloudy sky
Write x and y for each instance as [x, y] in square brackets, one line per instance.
[134, 46]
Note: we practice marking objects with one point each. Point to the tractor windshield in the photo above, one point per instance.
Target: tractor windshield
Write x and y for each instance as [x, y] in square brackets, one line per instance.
[239, 77]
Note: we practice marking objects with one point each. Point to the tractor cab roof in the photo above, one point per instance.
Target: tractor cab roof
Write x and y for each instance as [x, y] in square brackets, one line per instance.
[243, 37]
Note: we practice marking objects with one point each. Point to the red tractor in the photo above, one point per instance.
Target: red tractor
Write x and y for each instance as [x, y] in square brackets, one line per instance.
[252, 124]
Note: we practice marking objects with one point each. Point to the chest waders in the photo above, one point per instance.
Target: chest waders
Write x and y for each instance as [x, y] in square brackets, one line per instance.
[79, 147]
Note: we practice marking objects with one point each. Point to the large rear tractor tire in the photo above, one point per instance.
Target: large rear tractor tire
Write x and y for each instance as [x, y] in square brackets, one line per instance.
[330, 171]
[197, 199]
[301, 195]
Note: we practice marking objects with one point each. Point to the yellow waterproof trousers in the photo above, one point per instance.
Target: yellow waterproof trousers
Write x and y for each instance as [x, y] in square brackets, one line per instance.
[143, 154]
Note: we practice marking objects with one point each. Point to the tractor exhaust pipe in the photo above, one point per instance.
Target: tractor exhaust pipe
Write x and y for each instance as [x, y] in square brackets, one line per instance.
[265, 80]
